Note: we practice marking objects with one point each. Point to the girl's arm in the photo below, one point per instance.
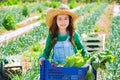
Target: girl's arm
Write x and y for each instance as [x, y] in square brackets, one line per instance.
[48, 48]
[79, 44]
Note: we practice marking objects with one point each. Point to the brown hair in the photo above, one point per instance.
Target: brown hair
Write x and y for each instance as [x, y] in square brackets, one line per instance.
[54, 30]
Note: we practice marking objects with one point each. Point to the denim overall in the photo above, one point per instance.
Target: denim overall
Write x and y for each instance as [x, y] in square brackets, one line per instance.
[61, 50]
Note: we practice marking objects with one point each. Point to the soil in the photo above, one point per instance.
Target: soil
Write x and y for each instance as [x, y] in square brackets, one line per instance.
[104, 25]
[26, 64]
[7, 7]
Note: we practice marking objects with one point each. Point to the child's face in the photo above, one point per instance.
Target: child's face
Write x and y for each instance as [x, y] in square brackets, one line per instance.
[62, 21]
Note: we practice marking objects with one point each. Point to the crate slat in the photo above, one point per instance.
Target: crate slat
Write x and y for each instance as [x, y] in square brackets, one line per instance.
[97, 43]
[94, 49]
[94, 43]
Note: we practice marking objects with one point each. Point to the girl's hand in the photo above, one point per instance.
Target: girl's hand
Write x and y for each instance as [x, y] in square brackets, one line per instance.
[40, 61]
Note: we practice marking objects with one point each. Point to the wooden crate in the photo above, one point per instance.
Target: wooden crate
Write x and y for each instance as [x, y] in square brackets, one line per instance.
[94, 43]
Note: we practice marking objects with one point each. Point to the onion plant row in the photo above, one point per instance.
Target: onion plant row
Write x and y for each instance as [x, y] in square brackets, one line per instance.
[113, 44]
[23, 42]
[86, 9]
[88, 24]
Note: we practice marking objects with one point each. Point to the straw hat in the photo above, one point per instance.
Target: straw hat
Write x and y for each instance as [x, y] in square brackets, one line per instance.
[63, 9]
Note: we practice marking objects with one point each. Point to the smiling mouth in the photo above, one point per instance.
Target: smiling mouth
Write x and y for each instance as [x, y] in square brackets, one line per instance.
[62, 25]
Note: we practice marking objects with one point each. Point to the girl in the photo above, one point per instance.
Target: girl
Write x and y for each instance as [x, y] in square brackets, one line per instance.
[62, 37]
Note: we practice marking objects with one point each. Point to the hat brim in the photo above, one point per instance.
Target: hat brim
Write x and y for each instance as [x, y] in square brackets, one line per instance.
[54, 12]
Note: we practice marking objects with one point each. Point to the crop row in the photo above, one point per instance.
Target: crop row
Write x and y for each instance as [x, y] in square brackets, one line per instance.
[87, 9]
[21, 44]
[88, 24]
[113, 44]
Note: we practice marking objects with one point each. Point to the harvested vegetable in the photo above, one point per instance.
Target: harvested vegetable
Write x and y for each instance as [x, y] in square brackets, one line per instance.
[76, 60]
[90, 75]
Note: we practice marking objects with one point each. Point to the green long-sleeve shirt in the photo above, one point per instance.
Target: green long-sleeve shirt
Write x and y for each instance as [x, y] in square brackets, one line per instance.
[76, 38]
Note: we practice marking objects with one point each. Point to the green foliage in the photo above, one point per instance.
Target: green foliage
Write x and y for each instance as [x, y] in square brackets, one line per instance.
[9, 22]
[35, 47]
[42, 17]
[52, 4]
[89, 75]
[34, 51]
[25, 11]
[1, 4]
[92, 35]
[47, 4]
[113, 43]
[55, 4]
[2, 29]
[28, 0]
[76, 60]
[96, 28]
[118, 1]
[71, 5]
[13, 2]
[98, 2]
[43, 24]
[40, 9]
[99, 59]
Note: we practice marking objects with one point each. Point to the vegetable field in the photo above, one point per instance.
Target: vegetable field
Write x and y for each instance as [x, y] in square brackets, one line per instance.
[96, 17]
